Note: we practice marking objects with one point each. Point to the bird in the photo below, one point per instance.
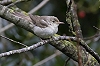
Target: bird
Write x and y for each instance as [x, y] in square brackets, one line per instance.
[45, 26]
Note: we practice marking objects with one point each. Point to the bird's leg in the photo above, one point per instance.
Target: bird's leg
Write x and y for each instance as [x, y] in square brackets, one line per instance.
[53, 38]
[41, 39]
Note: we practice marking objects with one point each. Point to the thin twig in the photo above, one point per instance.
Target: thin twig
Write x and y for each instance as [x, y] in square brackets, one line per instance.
[96, 28]
[13, 41]
[92, 37]
[38, 6]
[66, 61]
[24, 49]
[57, 53]
[6, 27]
[13, 3]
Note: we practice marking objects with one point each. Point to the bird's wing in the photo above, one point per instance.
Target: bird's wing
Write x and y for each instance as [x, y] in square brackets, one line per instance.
[21, 15]
[34, 18]
[43, 23]
[38, 21]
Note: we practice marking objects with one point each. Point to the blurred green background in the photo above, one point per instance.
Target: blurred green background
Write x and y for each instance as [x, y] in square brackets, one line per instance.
[88, 14]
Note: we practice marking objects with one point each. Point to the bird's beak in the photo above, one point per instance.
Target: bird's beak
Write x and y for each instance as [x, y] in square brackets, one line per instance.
[60, 23]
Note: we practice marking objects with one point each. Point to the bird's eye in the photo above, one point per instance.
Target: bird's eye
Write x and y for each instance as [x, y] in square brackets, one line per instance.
[53, 21]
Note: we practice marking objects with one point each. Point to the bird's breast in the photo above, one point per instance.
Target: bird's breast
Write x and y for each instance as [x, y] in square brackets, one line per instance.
[45, 32]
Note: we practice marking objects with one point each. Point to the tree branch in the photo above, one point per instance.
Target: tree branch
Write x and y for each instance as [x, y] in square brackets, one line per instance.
[57, 53]
[38, 6]
[7, 14]
[6, 27]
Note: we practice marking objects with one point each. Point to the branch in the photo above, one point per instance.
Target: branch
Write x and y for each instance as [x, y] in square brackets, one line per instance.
[38, 6]
[13, 41]
[7, 2]
[57, 53]
[68, 17]
[24, 49]
[72, 13]
[78, 31]
[64, 46]
[6, 27]
[7, 14]
[76, 23]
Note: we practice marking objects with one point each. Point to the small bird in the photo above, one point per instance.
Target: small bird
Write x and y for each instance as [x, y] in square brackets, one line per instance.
[45, 26]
